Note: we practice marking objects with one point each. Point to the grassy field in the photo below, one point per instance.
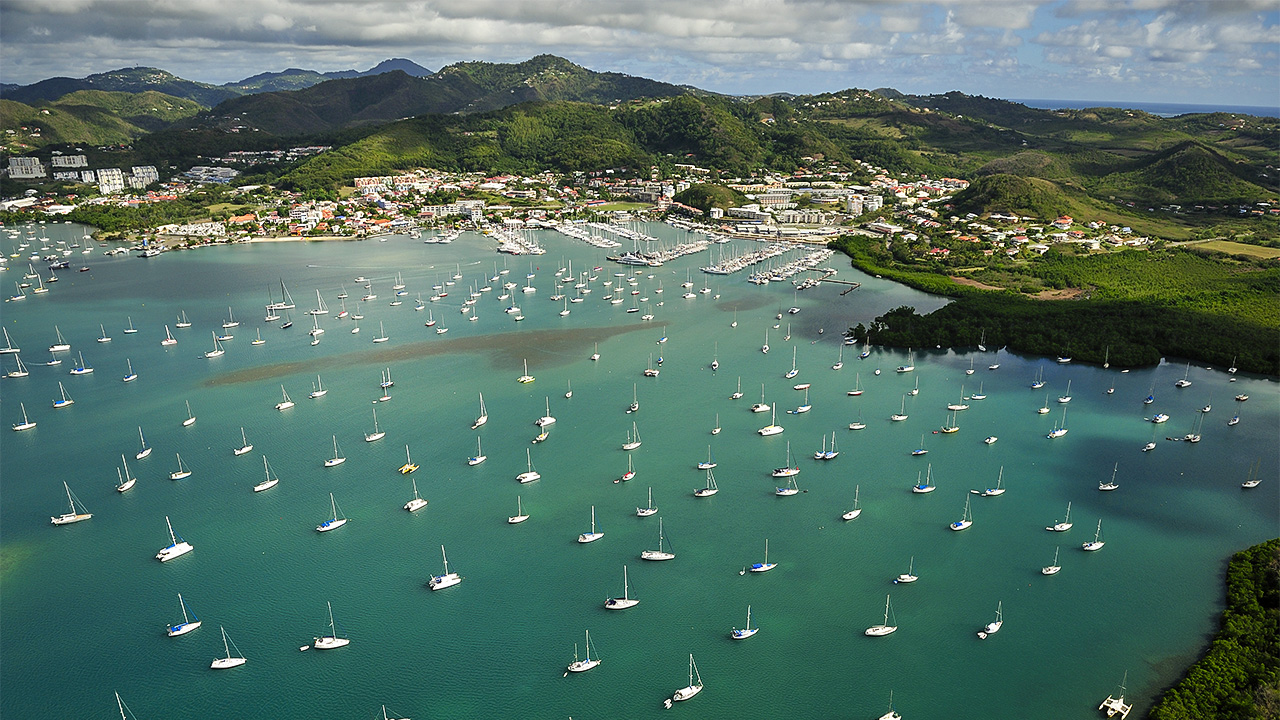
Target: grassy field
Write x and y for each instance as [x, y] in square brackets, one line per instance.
[624, 206]
[1235, 248]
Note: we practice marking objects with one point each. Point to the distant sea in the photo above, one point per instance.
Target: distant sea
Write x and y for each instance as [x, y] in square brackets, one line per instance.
[1155, 108]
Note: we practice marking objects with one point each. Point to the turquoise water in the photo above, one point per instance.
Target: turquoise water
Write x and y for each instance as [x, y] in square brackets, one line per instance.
[85, 606]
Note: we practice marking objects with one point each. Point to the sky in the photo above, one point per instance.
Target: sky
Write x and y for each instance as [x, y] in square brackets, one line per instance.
[1224, 52]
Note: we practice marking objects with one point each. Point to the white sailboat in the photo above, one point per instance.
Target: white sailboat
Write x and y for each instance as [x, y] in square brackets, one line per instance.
[417, 503]
[229, 661]
[188, 623]
[630, 473]
[269, 481]
[773, 428]
[648, 509]
[244, 441]
[1113, 706]
[737, 394]
[746, 631]
[73, 514]
[334, 522]
[285, 403]
[64, 401]
[1110, 484]
[182, 472]
[577, 665]
[168, 338]
[182, 321]
[856, 511]
[60, 345]
[83, 368]
[994, 626]
[1059, 430]
[547, 419]
[483, 417]
[337, 459]
[26, 423]
[1054, 568]
[320, 308]
[592, 536]
[787, 470]
[624, 602]
[8, 344]
[693, 688]
[793, 371]
[177, 546]
[382, 335]
[1096, 543]
[317, 390]
[104, 337]
[376, 434]
[330, 641]
[1066, 396]
[633, 438]
[927, 485]
[526, 377]
[635, 402]
[231, 321]
[840, 361]
[217, 350]
[885, 628]
[857, 385]
[710, 489]
[191, 418]
[709, 462]
[658, 554]
[765, 566]
[530, 474]
[445, 579]
[127, 481]
[146, 449]
[966, 521]
[21, 370]
[909, 576]
[258, 339]
[1063, 526]
[520, 515]
[479, 457]
[902, 411]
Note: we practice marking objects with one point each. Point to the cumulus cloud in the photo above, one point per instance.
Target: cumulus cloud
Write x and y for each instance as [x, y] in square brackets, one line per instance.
[993, 47]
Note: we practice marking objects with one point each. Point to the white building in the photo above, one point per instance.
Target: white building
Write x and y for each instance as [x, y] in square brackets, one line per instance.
[69, 161]
[25, 168]
[110, 180]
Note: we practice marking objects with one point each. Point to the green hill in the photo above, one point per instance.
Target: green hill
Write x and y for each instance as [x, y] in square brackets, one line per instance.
[1188, 172]
[132, 80]
[1005, 193]
[93, 117]
[705, 196]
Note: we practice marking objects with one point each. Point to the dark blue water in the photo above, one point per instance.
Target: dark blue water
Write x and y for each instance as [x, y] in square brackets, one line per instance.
[1155, 108]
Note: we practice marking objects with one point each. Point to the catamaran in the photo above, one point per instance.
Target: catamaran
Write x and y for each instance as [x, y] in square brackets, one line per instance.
[445, 579]
[417, 503]
[330, 641]
[334, 522]
[188, 623]
[526, 377]
[73, 515]
[177, 546]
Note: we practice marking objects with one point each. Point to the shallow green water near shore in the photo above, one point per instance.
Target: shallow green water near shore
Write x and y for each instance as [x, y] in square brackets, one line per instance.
[84, 607]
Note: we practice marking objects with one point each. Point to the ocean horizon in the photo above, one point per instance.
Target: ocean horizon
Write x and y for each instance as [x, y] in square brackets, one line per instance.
[1162, 109]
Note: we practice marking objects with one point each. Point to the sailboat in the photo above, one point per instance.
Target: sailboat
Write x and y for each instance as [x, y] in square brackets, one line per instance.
[1115, 705]
[258, 340]
[856, 511]
[787, 470]
[658, 554]
[317, 390]
[577, 665]
[596, 355]
[445, 579]
[479, 457]
[417, 503]
[765, 566]
[626, 600]
[64, 401]
[910, 365]
[993, 627]
[244, 441]
[146, 449]
[592, 536]
[1095, 544]
[1063, 526]
[649, 509]
[188, 623]
[966, 521]
[635, 402]
[1066, 396]
[692, 688]
[228, 661]
[26, 423]
[902, 411]
[20, 372]
[376, 434]
[840, 361]
[82, 368]
[72, 515]
[716, 429]
[127, 481]
[61, 345]
[920, 450]
[382, 335]
[330, 641]
[711, 487]
[269, 481]
[285, 403]
[909, 576]
[765, 347]
[1039, 381]
[708, 463]
[320, 308]
[526, 377]
[1184, 382]
[408, 466]
[231, 321]
[334, 522]
[520, 515]
[737, 394]
[790, 489]
[745, 632]
[857, 385]
[331, 462]
[569, 392]
[803, 407]
[217, 350]
[980, 395]
[529, 475]
[547, 419]
[1059, 431]
[927, 486]
[793, 371]
[182, 471]
[177, 546]
[1111, 484]
[1053, 568]
[630, 473]
[970, 370]
[1254, 479]
[885, 628]
[1044, 409]
[959, 406]
[104, 337]
[773, 428]
[182, 322]
[760, 406]
[715, 357]
[8, 344]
